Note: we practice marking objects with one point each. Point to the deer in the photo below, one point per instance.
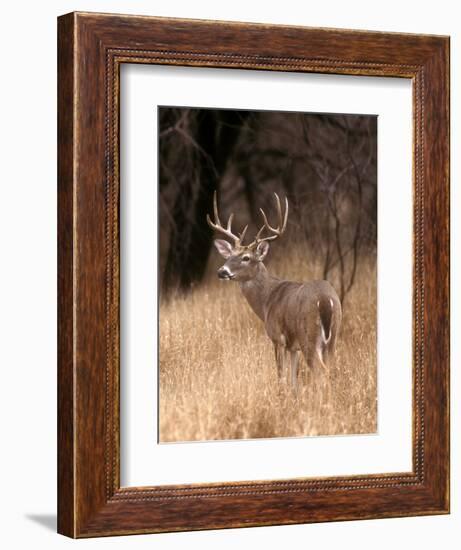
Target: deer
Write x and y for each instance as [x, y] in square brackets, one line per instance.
[299, 317]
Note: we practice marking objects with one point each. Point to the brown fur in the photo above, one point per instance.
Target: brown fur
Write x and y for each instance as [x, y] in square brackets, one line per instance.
[293, 313]
[298, 317]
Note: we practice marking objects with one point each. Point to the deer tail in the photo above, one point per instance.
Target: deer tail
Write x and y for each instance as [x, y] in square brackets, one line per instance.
[325, 307]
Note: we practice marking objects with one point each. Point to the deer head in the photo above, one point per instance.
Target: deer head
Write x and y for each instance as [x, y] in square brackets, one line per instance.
[242, 261]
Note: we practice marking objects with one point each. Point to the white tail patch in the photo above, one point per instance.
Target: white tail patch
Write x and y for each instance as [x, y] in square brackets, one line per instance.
[324, 338]
[322, 330]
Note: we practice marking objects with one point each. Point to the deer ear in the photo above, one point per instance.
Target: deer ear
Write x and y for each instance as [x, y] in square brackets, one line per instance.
[224, 248]
[262, 250]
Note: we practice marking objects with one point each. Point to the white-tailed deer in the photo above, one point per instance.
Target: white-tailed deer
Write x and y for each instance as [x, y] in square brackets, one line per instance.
[298, 317]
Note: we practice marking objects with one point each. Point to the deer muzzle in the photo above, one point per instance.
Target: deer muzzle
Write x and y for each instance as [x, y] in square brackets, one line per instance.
[224, 273]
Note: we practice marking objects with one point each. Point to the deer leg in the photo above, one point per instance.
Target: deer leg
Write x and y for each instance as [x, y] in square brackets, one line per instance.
[279, 353]
[330, 350]
[321, 358]
[323, 352]
[311, 357]
[294, 356]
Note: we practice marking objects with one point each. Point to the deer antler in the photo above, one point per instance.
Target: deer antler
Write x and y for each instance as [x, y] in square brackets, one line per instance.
[276, 231]
[238, 239]
[227, 231]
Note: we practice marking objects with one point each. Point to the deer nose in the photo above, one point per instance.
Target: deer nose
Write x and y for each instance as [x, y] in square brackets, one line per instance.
[224, 273]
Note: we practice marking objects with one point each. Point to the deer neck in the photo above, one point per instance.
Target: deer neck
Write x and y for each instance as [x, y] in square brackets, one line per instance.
[257, 290]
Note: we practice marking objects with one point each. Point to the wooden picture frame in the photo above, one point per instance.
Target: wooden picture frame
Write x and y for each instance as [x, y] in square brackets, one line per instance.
[92, 47]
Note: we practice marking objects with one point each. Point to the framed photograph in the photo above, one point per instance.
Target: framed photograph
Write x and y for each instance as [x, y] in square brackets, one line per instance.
[253, 323]
[261, 358]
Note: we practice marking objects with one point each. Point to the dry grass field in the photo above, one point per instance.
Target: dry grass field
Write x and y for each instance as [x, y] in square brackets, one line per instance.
[218, 378]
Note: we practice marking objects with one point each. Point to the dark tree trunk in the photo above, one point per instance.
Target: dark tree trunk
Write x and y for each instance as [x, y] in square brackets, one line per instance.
[215, 136]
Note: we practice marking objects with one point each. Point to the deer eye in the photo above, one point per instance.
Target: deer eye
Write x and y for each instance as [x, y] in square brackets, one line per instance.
[245, 258]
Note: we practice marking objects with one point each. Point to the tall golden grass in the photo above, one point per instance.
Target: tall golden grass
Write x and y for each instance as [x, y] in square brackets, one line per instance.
[218, 378]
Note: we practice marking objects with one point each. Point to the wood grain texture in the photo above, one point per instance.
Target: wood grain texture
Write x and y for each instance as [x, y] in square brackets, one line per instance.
[66, 471]
[91, 49]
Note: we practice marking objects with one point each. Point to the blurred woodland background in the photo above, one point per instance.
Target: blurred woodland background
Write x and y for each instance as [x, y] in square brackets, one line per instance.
[325, 164]
[217, 371]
